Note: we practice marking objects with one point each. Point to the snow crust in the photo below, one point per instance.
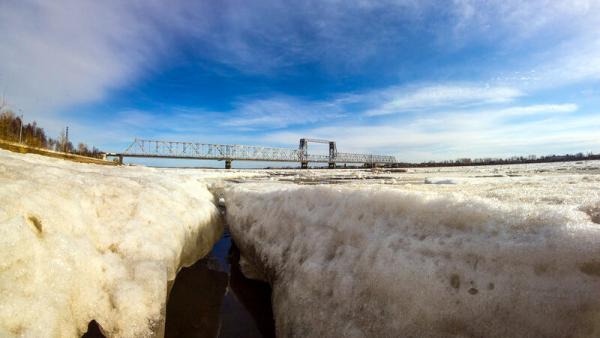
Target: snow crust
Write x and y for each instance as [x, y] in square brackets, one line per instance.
[502, 254]
[86, 242]
[489, 251]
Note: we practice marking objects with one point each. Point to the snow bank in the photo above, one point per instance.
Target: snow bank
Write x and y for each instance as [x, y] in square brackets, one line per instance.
[376, 262]
[81, 242]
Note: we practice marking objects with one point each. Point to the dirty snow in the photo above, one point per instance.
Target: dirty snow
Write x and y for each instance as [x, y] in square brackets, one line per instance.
[509, 251]
[85, 242]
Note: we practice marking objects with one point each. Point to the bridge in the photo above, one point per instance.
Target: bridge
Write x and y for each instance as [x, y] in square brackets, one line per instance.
[234, 152]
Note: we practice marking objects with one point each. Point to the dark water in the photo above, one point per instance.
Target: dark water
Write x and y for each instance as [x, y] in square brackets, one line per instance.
[213, 299]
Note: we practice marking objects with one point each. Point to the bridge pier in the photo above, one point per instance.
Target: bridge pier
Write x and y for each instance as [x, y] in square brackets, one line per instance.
[227, 164]
[303, 165]
[331, 165]
[120, 159]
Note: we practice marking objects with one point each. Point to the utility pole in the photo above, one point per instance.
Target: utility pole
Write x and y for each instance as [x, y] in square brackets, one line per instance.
[21, 127]
[66, 139]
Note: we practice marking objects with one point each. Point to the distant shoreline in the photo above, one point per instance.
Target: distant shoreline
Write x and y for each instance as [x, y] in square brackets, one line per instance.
[476, 164]
[25, 149]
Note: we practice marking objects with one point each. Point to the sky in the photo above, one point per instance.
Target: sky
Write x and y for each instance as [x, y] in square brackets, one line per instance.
[421, 80]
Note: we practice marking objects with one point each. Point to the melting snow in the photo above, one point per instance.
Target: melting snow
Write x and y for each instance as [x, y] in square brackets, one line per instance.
[81, 242]
[478, 251]
[513, 252]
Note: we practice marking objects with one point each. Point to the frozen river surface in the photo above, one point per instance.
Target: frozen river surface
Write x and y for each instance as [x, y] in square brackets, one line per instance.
[503, 251]
[462, 252]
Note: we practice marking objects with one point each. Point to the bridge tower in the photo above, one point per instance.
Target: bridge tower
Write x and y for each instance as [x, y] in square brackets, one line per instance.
[332, 154]
[304, 152]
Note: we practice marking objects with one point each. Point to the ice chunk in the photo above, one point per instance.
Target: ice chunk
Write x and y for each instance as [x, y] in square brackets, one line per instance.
[440, 180]
[377, 262]
[85, 242]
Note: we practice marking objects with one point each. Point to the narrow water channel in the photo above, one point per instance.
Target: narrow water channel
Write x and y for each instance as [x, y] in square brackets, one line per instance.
[213, 299]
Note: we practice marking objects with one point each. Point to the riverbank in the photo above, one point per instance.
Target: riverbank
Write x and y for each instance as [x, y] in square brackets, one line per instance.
[25, 149]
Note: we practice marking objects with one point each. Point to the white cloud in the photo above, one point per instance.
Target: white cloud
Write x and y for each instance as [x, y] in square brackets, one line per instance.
[261, 36]
[513, 22]
[398, 100]
[488, 118]
[56, 54]
[478, 133]
[349, 34]
[281, 111]
[577, 61]
[536, 109]
[278, 112]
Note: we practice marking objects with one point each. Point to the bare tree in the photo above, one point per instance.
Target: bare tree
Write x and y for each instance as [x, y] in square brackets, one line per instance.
[82, 149]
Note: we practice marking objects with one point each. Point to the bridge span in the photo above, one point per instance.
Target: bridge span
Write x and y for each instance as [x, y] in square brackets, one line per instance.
[234, 152]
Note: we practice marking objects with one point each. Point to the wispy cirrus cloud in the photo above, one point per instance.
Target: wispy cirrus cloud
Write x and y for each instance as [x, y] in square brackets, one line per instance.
[488, 118]
[58, 54]
[283, 111]
[280, 112]
[61, 53]
[535, 110]
[400, 100]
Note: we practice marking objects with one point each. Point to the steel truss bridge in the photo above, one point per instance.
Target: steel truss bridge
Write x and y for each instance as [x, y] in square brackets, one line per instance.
[234, 152]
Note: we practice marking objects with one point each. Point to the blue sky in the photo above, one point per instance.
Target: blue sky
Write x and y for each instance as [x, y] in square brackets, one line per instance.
[422, 80]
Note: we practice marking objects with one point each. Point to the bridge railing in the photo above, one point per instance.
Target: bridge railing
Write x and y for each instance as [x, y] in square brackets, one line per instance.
[210, 151]
[363, 158]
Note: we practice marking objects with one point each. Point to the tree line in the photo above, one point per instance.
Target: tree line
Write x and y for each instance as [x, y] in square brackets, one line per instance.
[510, 160]
[13, 129]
